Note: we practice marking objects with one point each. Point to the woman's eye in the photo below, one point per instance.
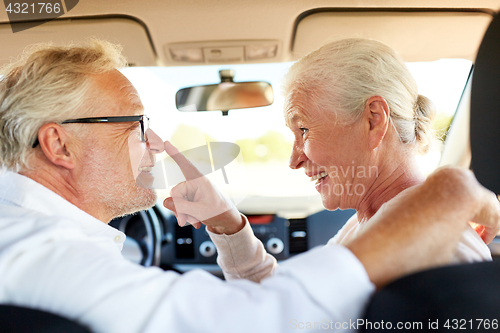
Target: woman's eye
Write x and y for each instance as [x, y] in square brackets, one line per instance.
[303, 130]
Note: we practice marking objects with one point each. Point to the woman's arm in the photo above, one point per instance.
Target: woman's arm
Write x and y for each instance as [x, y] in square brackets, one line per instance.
[243, 256]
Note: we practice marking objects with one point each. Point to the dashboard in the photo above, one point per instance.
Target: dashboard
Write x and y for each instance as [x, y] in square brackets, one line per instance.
[186, 248]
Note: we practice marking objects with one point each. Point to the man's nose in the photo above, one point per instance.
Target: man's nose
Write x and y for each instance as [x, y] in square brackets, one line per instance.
[297, 158]
[155, 144]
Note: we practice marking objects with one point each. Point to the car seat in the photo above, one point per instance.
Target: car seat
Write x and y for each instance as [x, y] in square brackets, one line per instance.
[15, 319]
[461, 297]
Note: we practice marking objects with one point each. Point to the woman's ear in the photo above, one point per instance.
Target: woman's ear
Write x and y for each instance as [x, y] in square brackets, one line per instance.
[54, 144]
[378, 116]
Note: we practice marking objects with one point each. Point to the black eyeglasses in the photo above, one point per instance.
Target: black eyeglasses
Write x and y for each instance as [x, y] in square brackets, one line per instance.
[143, 120]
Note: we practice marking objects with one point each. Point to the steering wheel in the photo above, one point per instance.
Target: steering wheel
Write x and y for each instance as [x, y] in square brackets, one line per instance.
[143, 242]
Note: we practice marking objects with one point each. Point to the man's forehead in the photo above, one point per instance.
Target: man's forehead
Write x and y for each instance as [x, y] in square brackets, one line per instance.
[132, 96]
[118, 93]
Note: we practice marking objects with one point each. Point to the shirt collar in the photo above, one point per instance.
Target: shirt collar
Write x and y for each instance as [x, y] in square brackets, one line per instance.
[27, 193]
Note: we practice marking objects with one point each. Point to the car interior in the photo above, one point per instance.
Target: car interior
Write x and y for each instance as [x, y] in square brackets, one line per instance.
[180, 52]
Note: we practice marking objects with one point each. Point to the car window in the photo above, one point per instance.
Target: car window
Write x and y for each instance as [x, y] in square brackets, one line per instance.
[261, 133]
[442, 81]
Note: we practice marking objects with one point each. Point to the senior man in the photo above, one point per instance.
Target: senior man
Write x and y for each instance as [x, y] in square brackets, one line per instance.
[74, 145]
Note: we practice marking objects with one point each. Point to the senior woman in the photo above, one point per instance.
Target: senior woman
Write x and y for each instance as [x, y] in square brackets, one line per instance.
[358, 123]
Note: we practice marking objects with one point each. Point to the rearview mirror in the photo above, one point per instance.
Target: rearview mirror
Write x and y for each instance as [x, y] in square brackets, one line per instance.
[225, 96]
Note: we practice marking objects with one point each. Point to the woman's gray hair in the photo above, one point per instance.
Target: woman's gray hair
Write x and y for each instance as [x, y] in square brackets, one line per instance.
[342, 75]
[47, 84]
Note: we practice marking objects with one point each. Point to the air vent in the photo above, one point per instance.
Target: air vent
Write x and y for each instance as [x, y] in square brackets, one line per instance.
[297, 236]
[184, 245]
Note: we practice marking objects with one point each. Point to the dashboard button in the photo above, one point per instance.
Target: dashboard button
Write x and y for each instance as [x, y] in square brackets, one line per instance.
[207, 249]
[275, 245]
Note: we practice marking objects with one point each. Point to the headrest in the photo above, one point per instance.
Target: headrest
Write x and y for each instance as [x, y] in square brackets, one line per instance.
[485, 110]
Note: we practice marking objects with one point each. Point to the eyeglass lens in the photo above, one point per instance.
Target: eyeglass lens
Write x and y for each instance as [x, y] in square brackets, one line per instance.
[144, 128]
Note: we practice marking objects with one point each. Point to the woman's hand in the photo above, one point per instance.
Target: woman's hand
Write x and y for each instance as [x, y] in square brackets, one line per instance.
[197, 201]
[486, 222]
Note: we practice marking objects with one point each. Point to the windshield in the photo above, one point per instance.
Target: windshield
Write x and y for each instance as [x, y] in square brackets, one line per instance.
[261, 133]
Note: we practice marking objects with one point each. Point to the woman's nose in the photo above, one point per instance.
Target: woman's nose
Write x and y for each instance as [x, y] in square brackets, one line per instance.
[297, 158]
[155, 144]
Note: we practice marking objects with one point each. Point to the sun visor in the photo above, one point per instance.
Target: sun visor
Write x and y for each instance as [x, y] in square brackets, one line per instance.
[128, 32]
[416, 36]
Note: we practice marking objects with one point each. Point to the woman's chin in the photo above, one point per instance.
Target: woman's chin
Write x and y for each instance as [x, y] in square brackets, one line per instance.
[330, 202]
[329, 198]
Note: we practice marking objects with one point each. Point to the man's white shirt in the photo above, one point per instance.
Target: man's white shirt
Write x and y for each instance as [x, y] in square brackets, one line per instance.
[56, 257]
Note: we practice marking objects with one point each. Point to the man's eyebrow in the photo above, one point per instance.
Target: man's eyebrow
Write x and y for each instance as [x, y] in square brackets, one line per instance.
[138, 109]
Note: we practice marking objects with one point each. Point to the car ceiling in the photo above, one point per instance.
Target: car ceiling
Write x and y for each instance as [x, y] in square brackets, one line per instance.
[419, 30]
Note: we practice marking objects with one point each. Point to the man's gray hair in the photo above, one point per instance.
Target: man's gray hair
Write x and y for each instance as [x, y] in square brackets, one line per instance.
[341, 76]
[47, 84]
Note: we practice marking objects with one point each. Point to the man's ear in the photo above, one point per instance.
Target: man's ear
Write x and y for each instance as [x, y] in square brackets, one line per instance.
[378, 115]
[54, 144]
